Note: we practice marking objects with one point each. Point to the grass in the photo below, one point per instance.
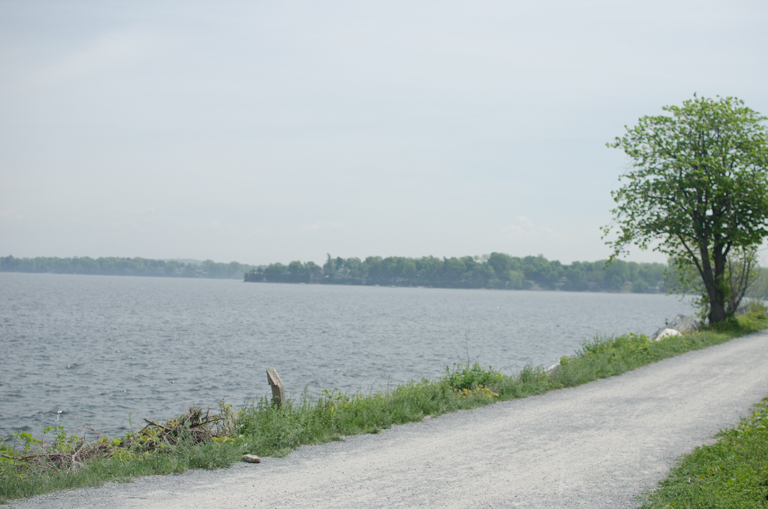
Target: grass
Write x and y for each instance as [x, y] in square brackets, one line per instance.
[17, 484]
[732, 473]
[262, 429]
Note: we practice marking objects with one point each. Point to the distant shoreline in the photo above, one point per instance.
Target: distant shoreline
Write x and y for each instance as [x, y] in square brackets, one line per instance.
[494, 271]
[429, 287]
[117, 266]
[537, 289]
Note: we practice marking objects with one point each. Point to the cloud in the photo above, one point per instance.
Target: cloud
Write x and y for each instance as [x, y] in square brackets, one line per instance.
[111, 51]
[211, 225]
[11, 216]
[323, 226]
[523, 229]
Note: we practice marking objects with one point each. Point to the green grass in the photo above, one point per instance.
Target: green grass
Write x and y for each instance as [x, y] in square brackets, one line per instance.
[25, 482]
[732, 473]
[265, 430]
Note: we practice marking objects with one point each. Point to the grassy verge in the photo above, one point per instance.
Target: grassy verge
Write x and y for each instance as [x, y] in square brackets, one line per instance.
[730, 473]
[32, 466]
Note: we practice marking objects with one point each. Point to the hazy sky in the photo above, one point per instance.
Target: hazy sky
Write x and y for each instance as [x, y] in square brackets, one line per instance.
[274, 131]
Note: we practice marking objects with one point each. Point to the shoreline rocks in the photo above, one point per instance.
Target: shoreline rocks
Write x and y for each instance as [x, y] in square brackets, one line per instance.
[680, 324]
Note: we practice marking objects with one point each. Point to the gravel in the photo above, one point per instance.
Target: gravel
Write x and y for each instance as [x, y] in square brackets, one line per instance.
[599, 445]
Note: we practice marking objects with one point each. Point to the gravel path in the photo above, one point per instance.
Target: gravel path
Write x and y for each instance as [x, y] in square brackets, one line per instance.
[598, 445]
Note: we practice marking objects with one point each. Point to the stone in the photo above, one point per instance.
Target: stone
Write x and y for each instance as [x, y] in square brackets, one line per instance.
[250, 458]
[666, 333]
[684, 323]
[681, 323]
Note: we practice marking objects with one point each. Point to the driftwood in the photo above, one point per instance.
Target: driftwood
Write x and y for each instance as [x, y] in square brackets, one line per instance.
[46, 458]
[196, 426]
[278, 390]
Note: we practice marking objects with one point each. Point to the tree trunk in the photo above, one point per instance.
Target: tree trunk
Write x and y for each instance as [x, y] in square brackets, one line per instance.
[716, 311]
[711, 279]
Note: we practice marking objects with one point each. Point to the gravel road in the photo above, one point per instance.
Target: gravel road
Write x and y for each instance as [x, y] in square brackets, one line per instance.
[598, 445]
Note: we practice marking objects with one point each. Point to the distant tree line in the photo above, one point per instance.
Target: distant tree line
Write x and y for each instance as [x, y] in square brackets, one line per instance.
[115, 266]
[496, 270]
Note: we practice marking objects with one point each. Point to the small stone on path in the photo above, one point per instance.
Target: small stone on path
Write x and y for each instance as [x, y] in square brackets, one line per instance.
[250, 458]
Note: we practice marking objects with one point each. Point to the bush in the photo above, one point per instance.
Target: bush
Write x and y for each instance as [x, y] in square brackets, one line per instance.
[757, 307]
[470, 377]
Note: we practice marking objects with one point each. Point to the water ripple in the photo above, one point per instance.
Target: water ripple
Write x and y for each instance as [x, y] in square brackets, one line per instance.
[99, 349]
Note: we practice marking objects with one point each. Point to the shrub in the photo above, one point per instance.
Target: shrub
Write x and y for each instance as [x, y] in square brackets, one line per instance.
[470, 377]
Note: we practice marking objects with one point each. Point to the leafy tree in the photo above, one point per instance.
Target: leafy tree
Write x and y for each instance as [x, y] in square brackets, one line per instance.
[329, 268]
[501, 263]
[453, 269]
[698, 188]
[276, 273]
[299, 273]
[541, 271]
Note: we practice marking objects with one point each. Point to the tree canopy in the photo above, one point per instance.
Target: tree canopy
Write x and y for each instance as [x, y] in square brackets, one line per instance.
[697, 188]
[117, 266]
[497, 270]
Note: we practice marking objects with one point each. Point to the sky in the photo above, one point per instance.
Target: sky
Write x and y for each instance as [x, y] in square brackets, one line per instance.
[276, 131]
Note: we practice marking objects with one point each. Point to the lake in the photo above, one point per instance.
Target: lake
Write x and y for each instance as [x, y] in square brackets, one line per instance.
[100, 349]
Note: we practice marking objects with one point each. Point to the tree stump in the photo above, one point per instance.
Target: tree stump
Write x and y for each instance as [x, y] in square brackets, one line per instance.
[278, 391]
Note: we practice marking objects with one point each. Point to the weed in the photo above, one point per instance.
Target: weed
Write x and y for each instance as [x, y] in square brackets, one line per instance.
[199, 440]
[757, 307]
[468, 377]
[730, 473]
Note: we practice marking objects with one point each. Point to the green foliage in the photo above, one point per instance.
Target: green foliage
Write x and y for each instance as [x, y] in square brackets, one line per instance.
[59, 460]
[23, 446]
[470, 377]
[757, 307]
[115, 266]
[262, 428]
[18, 483]
[602, 357]
[266, 430]
[759, 289]
[730, 473]
[496, 270]
[698, 188]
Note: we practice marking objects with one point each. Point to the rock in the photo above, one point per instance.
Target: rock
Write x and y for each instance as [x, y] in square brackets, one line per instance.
[681, 323]
[684, 323]
[250, 458]
[666, 333]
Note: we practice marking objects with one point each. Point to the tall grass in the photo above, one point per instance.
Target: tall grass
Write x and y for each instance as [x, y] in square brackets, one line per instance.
[263, 429]
[730, 473]
[18, 482]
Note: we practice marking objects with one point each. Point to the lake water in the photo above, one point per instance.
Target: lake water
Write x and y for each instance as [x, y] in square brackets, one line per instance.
[99, 349]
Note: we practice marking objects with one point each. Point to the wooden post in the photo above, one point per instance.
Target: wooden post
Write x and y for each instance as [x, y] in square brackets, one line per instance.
[278, 391]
